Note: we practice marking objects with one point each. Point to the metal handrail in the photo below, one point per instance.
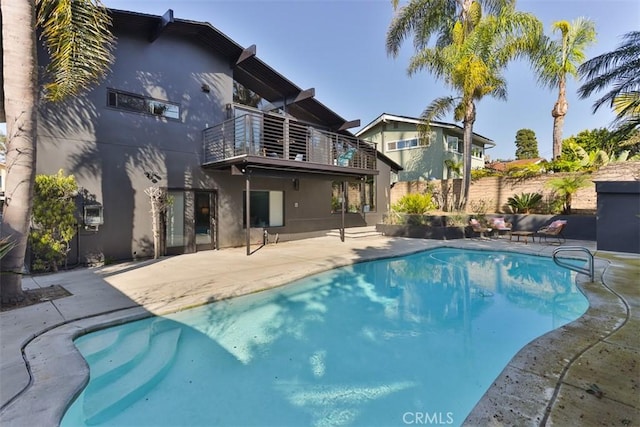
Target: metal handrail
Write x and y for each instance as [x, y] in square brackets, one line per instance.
[590, 271]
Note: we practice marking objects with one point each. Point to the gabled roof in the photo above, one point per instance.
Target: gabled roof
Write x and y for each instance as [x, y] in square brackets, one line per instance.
[385, 117]
[248, 69]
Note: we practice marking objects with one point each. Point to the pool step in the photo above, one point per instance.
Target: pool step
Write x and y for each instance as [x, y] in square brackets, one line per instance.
[138, 368]
[356, 232]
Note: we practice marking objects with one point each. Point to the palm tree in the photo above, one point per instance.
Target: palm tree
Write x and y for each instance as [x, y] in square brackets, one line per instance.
[77, 37]
[617, 69]
[470, 53]
[558, 58]
[566, 187]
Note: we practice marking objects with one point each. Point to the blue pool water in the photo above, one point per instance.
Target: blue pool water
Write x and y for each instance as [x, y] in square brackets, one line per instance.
[381, 343]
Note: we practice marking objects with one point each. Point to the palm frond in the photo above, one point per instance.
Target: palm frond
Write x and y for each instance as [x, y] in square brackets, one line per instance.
[419, 17]
[6, 244]
[439, 107]
[621, 64]
[619, 70]
[76, 34]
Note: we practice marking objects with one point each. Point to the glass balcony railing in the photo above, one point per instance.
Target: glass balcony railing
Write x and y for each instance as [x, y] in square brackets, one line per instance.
[277, 137]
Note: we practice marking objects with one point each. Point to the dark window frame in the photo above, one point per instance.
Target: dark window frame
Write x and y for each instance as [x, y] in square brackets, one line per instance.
[146, 105]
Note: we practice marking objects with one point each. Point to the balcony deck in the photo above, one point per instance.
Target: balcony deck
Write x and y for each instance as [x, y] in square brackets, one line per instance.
[282, 145]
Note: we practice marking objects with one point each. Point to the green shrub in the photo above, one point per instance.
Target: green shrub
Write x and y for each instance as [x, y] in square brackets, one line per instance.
[415, 203]
[563, 165]
[527, 171]
[54, 222]
[525, 202]
[483, 173]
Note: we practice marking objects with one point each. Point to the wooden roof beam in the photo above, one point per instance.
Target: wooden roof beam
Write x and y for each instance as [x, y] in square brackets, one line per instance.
[350, 124]
[246, 54]
[165, 21]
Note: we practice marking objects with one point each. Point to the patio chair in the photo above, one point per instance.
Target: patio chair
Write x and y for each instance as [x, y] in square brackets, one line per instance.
[499, 224]
[343, 159]
[553, 230]
[479, 228]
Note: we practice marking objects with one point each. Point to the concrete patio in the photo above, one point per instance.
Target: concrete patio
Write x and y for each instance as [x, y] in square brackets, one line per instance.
[546, 383]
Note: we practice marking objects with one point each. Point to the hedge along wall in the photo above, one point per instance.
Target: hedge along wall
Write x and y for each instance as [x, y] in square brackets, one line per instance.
[496, 190]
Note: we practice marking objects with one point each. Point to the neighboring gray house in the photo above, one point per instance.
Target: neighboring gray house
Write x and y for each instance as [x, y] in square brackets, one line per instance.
[165, 116]
[422, 159]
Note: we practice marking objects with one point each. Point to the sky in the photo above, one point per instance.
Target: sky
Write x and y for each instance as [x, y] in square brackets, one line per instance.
[338, 48]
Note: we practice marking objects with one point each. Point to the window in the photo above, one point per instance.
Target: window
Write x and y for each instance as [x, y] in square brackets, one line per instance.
[267, 208]
[404, 144]
[454, 144]
[477, 151]
[360, 196]
[141, 104]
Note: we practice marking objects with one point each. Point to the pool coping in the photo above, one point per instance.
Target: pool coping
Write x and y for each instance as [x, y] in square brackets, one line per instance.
[527, 391]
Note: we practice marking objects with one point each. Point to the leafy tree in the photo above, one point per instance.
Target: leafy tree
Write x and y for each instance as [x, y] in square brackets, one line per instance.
[563, 165]
[559, 58]
[526, 144]
[54, 221]
[592, 140]
[566, 187]
[617, 69]
[595, 159]
[77, 37]
[469, 54]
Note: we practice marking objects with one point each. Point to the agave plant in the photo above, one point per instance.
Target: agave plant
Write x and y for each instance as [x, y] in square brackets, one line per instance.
[525, 202]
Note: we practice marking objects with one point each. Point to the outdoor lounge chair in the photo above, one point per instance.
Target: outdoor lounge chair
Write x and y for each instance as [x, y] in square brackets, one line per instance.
[479, 228]
[344, 158]
[499, 224]
[553, 230]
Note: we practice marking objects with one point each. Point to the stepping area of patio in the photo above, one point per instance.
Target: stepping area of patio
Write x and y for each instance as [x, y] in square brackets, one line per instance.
[549, 382]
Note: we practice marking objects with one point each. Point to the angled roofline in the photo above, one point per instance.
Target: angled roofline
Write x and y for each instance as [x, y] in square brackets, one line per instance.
[384, 117]
[395, 167]
[248, 69]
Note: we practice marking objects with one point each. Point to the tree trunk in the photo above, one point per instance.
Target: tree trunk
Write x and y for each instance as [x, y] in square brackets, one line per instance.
[559, 112]
[155, 226]
[20, 105]
[469, 119]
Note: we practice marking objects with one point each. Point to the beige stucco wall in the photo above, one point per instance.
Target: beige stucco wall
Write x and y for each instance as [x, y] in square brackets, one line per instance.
[495, 191]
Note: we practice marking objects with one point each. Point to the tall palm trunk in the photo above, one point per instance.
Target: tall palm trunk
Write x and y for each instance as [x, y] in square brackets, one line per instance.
[559, 112]
[467, 123]
[20, 98]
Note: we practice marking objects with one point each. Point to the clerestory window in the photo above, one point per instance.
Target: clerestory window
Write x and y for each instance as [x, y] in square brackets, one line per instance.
[142, 104]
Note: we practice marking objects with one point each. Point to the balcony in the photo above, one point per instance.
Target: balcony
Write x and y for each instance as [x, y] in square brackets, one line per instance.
[277, 143]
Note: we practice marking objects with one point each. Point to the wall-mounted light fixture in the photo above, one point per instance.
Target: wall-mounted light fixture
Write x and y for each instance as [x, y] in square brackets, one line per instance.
[205, 88]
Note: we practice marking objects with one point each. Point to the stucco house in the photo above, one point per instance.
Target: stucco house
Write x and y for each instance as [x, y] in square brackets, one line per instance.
[397, 137]
[166, 116]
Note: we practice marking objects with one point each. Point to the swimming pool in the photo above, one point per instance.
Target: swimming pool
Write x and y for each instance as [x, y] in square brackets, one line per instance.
[389, 342]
